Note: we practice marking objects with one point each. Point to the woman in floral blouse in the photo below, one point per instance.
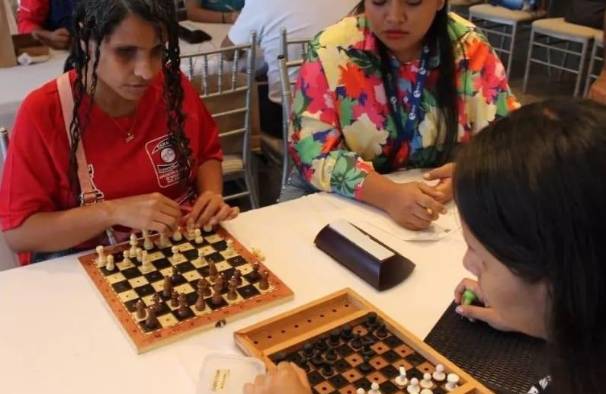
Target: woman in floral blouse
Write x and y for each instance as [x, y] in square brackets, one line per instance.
[399, 85]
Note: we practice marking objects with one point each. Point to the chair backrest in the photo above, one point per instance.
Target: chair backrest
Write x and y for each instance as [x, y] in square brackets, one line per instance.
[293, 53]
[8, 259]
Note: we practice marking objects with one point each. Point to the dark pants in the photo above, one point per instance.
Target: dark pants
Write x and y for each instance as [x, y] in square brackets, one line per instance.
[271, 113]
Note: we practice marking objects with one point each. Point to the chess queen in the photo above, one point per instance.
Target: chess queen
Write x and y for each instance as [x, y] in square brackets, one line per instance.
[120, 140]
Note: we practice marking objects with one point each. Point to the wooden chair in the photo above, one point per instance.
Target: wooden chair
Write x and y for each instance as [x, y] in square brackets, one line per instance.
[225, 80]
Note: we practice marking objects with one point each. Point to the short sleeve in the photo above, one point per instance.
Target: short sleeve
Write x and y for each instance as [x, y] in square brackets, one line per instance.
[250, 20]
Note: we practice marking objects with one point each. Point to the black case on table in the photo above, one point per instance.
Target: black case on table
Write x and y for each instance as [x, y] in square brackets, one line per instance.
[382, 275]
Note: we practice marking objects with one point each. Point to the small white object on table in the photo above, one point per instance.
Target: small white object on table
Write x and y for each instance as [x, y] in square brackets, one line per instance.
[59, 336]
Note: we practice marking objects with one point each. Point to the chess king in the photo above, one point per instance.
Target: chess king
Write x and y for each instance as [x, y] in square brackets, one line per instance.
[126, 110]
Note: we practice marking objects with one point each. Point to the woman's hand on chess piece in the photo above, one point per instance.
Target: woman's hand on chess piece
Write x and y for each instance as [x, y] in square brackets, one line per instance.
[482, 312]
[444, 177]
[285, 378]
[152, 211]
[210, 209]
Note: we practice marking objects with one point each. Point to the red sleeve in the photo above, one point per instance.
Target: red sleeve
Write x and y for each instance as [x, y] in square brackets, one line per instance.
[30, 183]
[208, 145]
[32, 14]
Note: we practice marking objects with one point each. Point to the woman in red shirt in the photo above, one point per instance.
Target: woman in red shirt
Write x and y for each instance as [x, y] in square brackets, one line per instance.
[151, 148]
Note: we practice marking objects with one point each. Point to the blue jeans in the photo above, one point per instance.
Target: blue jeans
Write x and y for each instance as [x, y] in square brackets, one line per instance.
[295, 187]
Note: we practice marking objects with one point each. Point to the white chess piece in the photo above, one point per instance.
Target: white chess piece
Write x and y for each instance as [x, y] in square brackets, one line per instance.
[426, 391]
[190, 229]
[176, 253]
[138, 252]
[125, 257]
[413, 387]
[101, 259]
[374, 388]
[360, 391]
[163, 242]
[426, 383]
[198, 236]
[110, 265]
[402, 380]
[133, 246]
[177, 236]
[145, 260]
[207, 228]
[438, 374]
[147, 242]
[452, 381]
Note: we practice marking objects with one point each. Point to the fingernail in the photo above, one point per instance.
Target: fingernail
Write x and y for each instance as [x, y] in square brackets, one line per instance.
[459, 310]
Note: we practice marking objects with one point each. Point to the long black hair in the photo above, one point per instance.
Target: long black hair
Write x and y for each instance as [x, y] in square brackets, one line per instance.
[531, 188]
[439, 41]
[95, 21]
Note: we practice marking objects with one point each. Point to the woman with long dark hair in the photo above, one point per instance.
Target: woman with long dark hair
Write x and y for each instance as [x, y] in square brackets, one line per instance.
[398, 85]
[530, 192]
[136, 148]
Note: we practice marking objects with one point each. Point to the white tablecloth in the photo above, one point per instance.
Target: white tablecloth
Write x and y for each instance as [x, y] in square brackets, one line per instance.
[57, 335]
[17, 82]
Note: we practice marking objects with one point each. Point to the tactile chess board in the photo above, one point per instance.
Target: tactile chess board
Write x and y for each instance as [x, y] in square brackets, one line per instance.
[130, 281]
[344, 343]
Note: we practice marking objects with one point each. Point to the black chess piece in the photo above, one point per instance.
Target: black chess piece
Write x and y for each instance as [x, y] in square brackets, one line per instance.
[381, 331]
[367, 351]
[331, 355]
[371, 319]
[317, 360]
[321, 344]
[368, 340]
[335, 337]
[327, 369]
[365, 367]
[308, 350]
[346, 332]
[356, 342]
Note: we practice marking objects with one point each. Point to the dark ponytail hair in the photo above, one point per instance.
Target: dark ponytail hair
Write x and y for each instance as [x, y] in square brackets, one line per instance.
[95, 21]
[439, 40]
[531, 189]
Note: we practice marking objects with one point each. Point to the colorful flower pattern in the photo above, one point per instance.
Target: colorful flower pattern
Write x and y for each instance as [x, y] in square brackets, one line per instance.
[341, 128]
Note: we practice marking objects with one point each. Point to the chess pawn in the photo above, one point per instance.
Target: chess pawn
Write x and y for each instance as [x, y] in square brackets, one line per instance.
[212, 271]
[174, 299]
[200, 304]
[238, 276]
[264, 281]
[204, 287]
[190, 229]
[133, 246]
[151, 322]
[147, 242]
[426, 383]
[167, 287]
[255, 270]
[138, 253]
[207, 228]
[145, 260]
[110, 265]
[216, 298]
[439, 375]
[141, 310]
[126, 257]
[176, 254]
[374, 388]
[426, 391]
[413, 387]
[231, 293]
[157, 302]
[198, 236]
[402, 380]
[452, 381]
[177, 236]
[163, 241]
[360, 391]
[101, 259]
[175, 274]
[220, 282]
[183, 307]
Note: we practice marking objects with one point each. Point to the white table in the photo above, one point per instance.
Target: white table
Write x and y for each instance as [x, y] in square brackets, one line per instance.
[17, 82]
[58, 336]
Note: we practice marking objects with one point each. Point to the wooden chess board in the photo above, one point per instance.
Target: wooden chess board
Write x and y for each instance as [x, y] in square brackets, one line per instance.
[130, 281]
[366, 346]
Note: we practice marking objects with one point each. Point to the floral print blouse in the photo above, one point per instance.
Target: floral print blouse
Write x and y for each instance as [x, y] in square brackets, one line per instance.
[341, 128]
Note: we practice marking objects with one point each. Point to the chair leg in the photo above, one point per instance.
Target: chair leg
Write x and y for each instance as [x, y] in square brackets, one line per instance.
[577, 87]
[514, 32]
[528, 61]
[251, 185]
[590, 69]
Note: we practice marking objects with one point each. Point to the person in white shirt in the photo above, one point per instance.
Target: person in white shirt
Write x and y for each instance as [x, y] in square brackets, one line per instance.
[301, 19]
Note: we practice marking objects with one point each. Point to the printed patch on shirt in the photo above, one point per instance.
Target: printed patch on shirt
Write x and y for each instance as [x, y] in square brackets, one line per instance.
[163, 157]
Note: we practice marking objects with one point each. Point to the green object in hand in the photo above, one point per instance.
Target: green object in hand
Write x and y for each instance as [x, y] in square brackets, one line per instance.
[468, 297]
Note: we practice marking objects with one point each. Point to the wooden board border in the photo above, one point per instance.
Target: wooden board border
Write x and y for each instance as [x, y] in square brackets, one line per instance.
[244, 338]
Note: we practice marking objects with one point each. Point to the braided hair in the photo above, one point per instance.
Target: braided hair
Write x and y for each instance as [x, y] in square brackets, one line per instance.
[95, 21]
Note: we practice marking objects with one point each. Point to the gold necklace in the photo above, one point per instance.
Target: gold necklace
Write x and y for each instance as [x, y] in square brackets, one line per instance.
[129, 133]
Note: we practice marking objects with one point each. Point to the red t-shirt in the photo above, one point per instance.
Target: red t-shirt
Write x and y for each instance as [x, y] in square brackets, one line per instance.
[35, 177]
